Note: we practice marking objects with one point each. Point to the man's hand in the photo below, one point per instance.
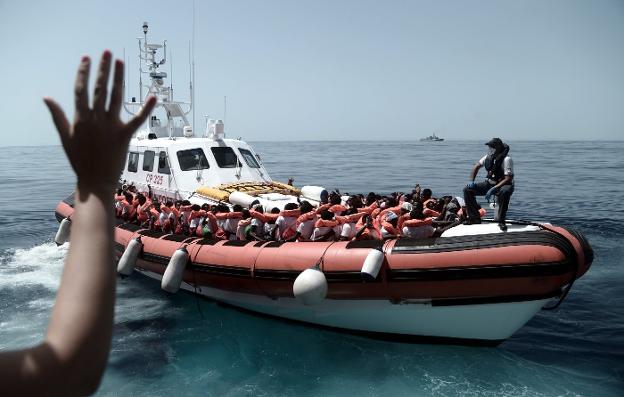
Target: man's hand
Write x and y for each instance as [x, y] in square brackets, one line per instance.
[97, 141]
[490, 193]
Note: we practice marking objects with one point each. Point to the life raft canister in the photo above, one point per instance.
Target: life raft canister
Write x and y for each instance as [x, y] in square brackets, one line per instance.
[129, 257]
[172, 278]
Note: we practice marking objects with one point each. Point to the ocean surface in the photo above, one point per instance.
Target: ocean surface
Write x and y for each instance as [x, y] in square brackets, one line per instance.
[180, 345]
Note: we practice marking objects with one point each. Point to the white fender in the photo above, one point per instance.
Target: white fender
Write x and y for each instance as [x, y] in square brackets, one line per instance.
[62, 234]
[129, 257]
[310, 286]
[242, 199]
[312, 192]
[172, 279]
[372, 264]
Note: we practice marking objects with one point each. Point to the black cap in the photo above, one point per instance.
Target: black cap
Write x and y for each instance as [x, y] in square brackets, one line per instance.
[495, 142]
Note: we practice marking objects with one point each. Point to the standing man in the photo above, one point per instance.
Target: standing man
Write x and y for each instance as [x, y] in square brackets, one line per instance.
[499, 182]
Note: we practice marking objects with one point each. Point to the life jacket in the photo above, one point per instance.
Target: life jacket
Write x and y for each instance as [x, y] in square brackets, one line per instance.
[353, 218]
[418, 228]
[417, 222]
[368, 210]
[322, 208]
[308, 216]
[337, 208]
[327, 223]
[494, 165]
[290, 213]
[264, 217]
[289, 223]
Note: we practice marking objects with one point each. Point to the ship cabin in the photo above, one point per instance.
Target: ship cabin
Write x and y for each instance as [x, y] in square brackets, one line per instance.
[175, 167]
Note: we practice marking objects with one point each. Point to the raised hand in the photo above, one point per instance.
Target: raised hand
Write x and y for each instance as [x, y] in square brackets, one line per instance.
[97, 141]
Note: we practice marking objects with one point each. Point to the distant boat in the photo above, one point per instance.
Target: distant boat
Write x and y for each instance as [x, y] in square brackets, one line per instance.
[432, 138]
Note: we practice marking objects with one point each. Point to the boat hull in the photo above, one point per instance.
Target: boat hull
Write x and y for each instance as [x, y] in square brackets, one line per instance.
[411, 320]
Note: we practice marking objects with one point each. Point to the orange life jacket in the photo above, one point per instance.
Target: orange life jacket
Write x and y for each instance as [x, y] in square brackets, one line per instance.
[368, 210]
[337, 208]
[326, 223]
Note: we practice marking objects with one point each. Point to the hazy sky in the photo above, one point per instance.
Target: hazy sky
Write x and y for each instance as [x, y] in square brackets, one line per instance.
[340, 70]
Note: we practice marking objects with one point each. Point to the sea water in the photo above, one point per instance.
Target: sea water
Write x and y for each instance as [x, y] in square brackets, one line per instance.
[179, 344]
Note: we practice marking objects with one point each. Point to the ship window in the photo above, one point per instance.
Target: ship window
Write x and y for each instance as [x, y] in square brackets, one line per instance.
[249, 158]
[133, 161]
[163, 163]
[148, 160]
[225, 156]
[192, 159]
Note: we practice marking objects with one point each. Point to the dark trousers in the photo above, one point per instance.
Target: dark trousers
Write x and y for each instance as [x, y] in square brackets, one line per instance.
[503, 196]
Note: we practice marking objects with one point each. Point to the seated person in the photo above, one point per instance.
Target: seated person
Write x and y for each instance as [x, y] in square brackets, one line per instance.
[287, 222]
[325, 229]
[366, 230]
[389, 226]
[417, 225]
[270, 228]
[305, 222]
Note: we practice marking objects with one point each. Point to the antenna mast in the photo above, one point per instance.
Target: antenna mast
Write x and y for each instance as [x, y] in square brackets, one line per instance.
[193, 69]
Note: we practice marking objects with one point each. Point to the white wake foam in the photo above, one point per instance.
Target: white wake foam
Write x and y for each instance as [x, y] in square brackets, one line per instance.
[42, 265]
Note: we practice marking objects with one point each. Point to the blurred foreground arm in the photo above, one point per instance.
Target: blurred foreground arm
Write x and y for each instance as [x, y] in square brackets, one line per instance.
[73, 356]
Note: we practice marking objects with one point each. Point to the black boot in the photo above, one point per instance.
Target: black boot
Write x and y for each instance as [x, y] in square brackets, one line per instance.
[502, 226]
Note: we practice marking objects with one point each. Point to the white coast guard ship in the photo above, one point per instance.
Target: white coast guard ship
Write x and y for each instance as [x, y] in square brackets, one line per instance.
[178, 163]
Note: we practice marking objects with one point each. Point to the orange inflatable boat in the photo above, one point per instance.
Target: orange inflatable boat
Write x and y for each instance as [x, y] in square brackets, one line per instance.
[474, 284]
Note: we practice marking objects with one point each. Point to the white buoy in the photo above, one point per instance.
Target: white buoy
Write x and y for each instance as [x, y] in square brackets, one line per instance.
[129, 257]
[172, 279]
[62, 234]
[310, 287]
[372, 265]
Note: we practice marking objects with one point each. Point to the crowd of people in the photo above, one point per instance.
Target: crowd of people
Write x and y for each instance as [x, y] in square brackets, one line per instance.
[417, 214]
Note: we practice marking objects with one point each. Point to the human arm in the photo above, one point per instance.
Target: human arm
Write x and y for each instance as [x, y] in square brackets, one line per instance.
[505, 181]
[73, 355]
[475, 171]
